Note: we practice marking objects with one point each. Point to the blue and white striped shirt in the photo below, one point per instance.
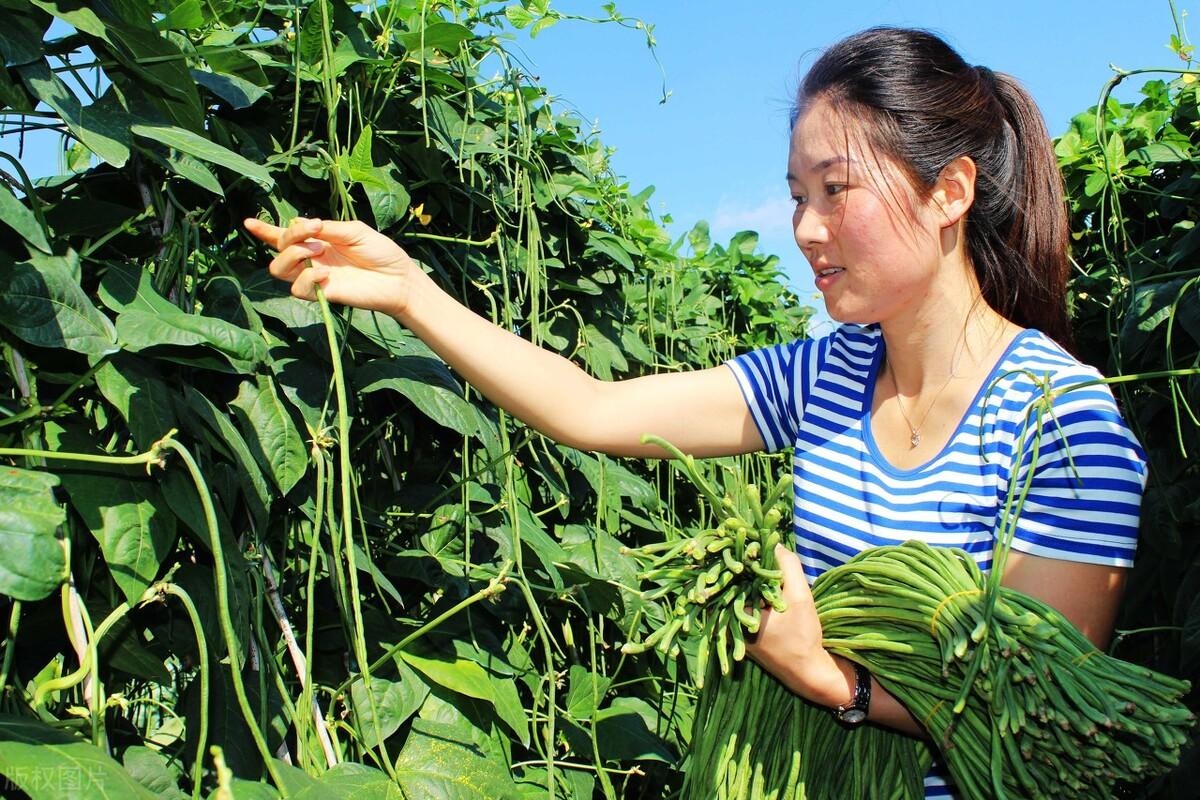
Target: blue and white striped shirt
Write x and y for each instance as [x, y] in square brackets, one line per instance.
[1084, 498]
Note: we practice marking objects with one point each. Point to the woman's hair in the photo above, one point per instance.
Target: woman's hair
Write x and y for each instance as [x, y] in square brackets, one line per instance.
[916, 101]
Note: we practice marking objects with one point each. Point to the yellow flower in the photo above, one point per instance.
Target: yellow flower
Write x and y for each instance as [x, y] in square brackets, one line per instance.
[419, 213]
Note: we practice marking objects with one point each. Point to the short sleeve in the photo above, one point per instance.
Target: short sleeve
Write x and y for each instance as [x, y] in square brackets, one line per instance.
[774, 381]
[1085, 496]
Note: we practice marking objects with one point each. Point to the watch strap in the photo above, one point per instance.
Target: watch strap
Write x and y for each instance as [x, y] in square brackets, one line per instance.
[855, 712]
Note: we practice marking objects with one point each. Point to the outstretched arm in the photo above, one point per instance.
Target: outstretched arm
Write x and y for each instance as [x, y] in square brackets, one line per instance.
[701, 412]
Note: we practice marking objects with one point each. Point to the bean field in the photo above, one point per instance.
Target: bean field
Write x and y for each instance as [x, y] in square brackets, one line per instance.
[254, 547]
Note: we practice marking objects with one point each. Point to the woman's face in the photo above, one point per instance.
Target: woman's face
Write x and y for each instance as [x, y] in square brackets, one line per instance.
[872, 244]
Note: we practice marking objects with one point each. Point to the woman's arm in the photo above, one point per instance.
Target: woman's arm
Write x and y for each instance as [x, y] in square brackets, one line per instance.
[789, 643]
[701, 412]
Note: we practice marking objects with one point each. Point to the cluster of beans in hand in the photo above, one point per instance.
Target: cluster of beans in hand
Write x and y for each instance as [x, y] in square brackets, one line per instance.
[715, 583]
[1018, 701]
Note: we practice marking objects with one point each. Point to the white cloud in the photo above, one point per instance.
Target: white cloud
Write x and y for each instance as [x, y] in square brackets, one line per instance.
[770, 216]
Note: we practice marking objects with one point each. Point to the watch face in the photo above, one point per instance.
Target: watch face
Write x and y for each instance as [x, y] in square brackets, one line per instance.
[853, 716]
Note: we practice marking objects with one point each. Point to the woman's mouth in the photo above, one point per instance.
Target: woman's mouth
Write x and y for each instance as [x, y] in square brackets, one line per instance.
[827, 276]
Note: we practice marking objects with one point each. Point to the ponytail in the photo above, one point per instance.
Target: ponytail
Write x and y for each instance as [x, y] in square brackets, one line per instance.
[923, 106]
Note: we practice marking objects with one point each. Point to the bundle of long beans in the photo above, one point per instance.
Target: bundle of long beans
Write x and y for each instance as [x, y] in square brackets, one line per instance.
[1017, 700]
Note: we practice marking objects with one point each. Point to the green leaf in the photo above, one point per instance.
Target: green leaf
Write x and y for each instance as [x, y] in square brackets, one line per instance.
[186, 15]
[102, 127]
[125, 513]
[427, 383]
[518, 16]
[625, 730]
[33, 560]
[270, 432]
[616, 248]
[601, 353]
[608, 475]
[508, 707]
[155, 771]
[395, 701]
[20, 218]
[42, 304]
[139, 395]
[50, 764]
[436, 763]
[444, 36]
[206, 150]
[193, 170]
[257, 493]
[349, 781]
[699, 239]
[141, 330]
[126, 287]
[21, 37]
[1095, 183]
[1114, 149]
[462, 676]
[238, 92]
[585, 691]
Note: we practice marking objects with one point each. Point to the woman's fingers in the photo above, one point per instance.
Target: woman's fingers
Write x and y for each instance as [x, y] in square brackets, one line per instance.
[287, 265]
[298, 230]
[795, 584]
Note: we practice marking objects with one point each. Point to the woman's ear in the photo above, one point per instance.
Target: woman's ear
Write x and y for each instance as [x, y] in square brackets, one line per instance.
[954, 191]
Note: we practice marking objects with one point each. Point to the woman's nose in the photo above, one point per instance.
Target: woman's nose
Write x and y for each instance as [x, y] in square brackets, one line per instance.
[810, 228]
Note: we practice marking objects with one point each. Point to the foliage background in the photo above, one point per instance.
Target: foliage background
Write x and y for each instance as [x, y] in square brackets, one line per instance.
[454, 581]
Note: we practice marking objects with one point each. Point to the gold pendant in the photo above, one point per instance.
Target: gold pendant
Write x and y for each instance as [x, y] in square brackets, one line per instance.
[915, 438]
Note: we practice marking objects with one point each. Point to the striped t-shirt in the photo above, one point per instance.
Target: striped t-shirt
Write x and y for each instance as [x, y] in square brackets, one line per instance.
[815, 395]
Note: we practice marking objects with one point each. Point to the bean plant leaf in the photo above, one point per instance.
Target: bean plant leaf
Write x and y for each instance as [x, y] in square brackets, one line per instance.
[625, 730]
[139, 394]
[33, 560]
[585, 692]
[460, 675]
[206, 150]
[127, 287]
[21, 37]
[192, 169]
[349, 781]
[50, 764]
[238, 92]
[140, 330]
[427, 383]
[101, 129]
[43, 304]
[17, 216]
[255, 490]
[395, 702]
[435, 763]
[270, 433]
[155, 771]
[185, 15]
[125, 513]
[508, 707]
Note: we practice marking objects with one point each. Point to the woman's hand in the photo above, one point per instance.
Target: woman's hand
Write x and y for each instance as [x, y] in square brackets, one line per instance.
[353, 264]
[788, 643]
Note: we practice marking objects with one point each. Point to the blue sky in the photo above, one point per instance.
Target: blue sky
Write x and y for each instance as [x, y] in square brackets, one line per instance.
[717, 149]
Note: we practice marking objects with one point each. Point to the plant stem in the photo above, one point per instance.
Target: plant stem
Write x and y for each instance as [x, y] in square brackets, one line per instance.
[222, 583]
[494, 587]
[10, 644]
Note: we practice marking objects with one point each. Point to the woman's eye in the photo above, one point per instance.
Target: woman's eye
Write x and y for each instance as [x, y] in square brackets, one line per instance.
[834, 188]
[799, 199]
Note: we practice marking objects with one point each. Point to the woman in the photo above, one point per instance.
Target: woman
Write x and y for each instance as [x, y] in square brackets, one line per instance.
[930, 208]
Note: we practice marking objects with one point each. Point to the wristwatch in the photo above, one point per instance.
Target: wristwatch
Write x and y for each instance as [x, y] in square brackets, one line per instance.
[855, 712]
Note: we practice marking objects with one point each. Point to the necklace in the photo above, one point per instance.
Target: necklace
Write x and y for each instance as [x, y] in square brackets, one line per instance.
[915, 438]
[915, 429]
